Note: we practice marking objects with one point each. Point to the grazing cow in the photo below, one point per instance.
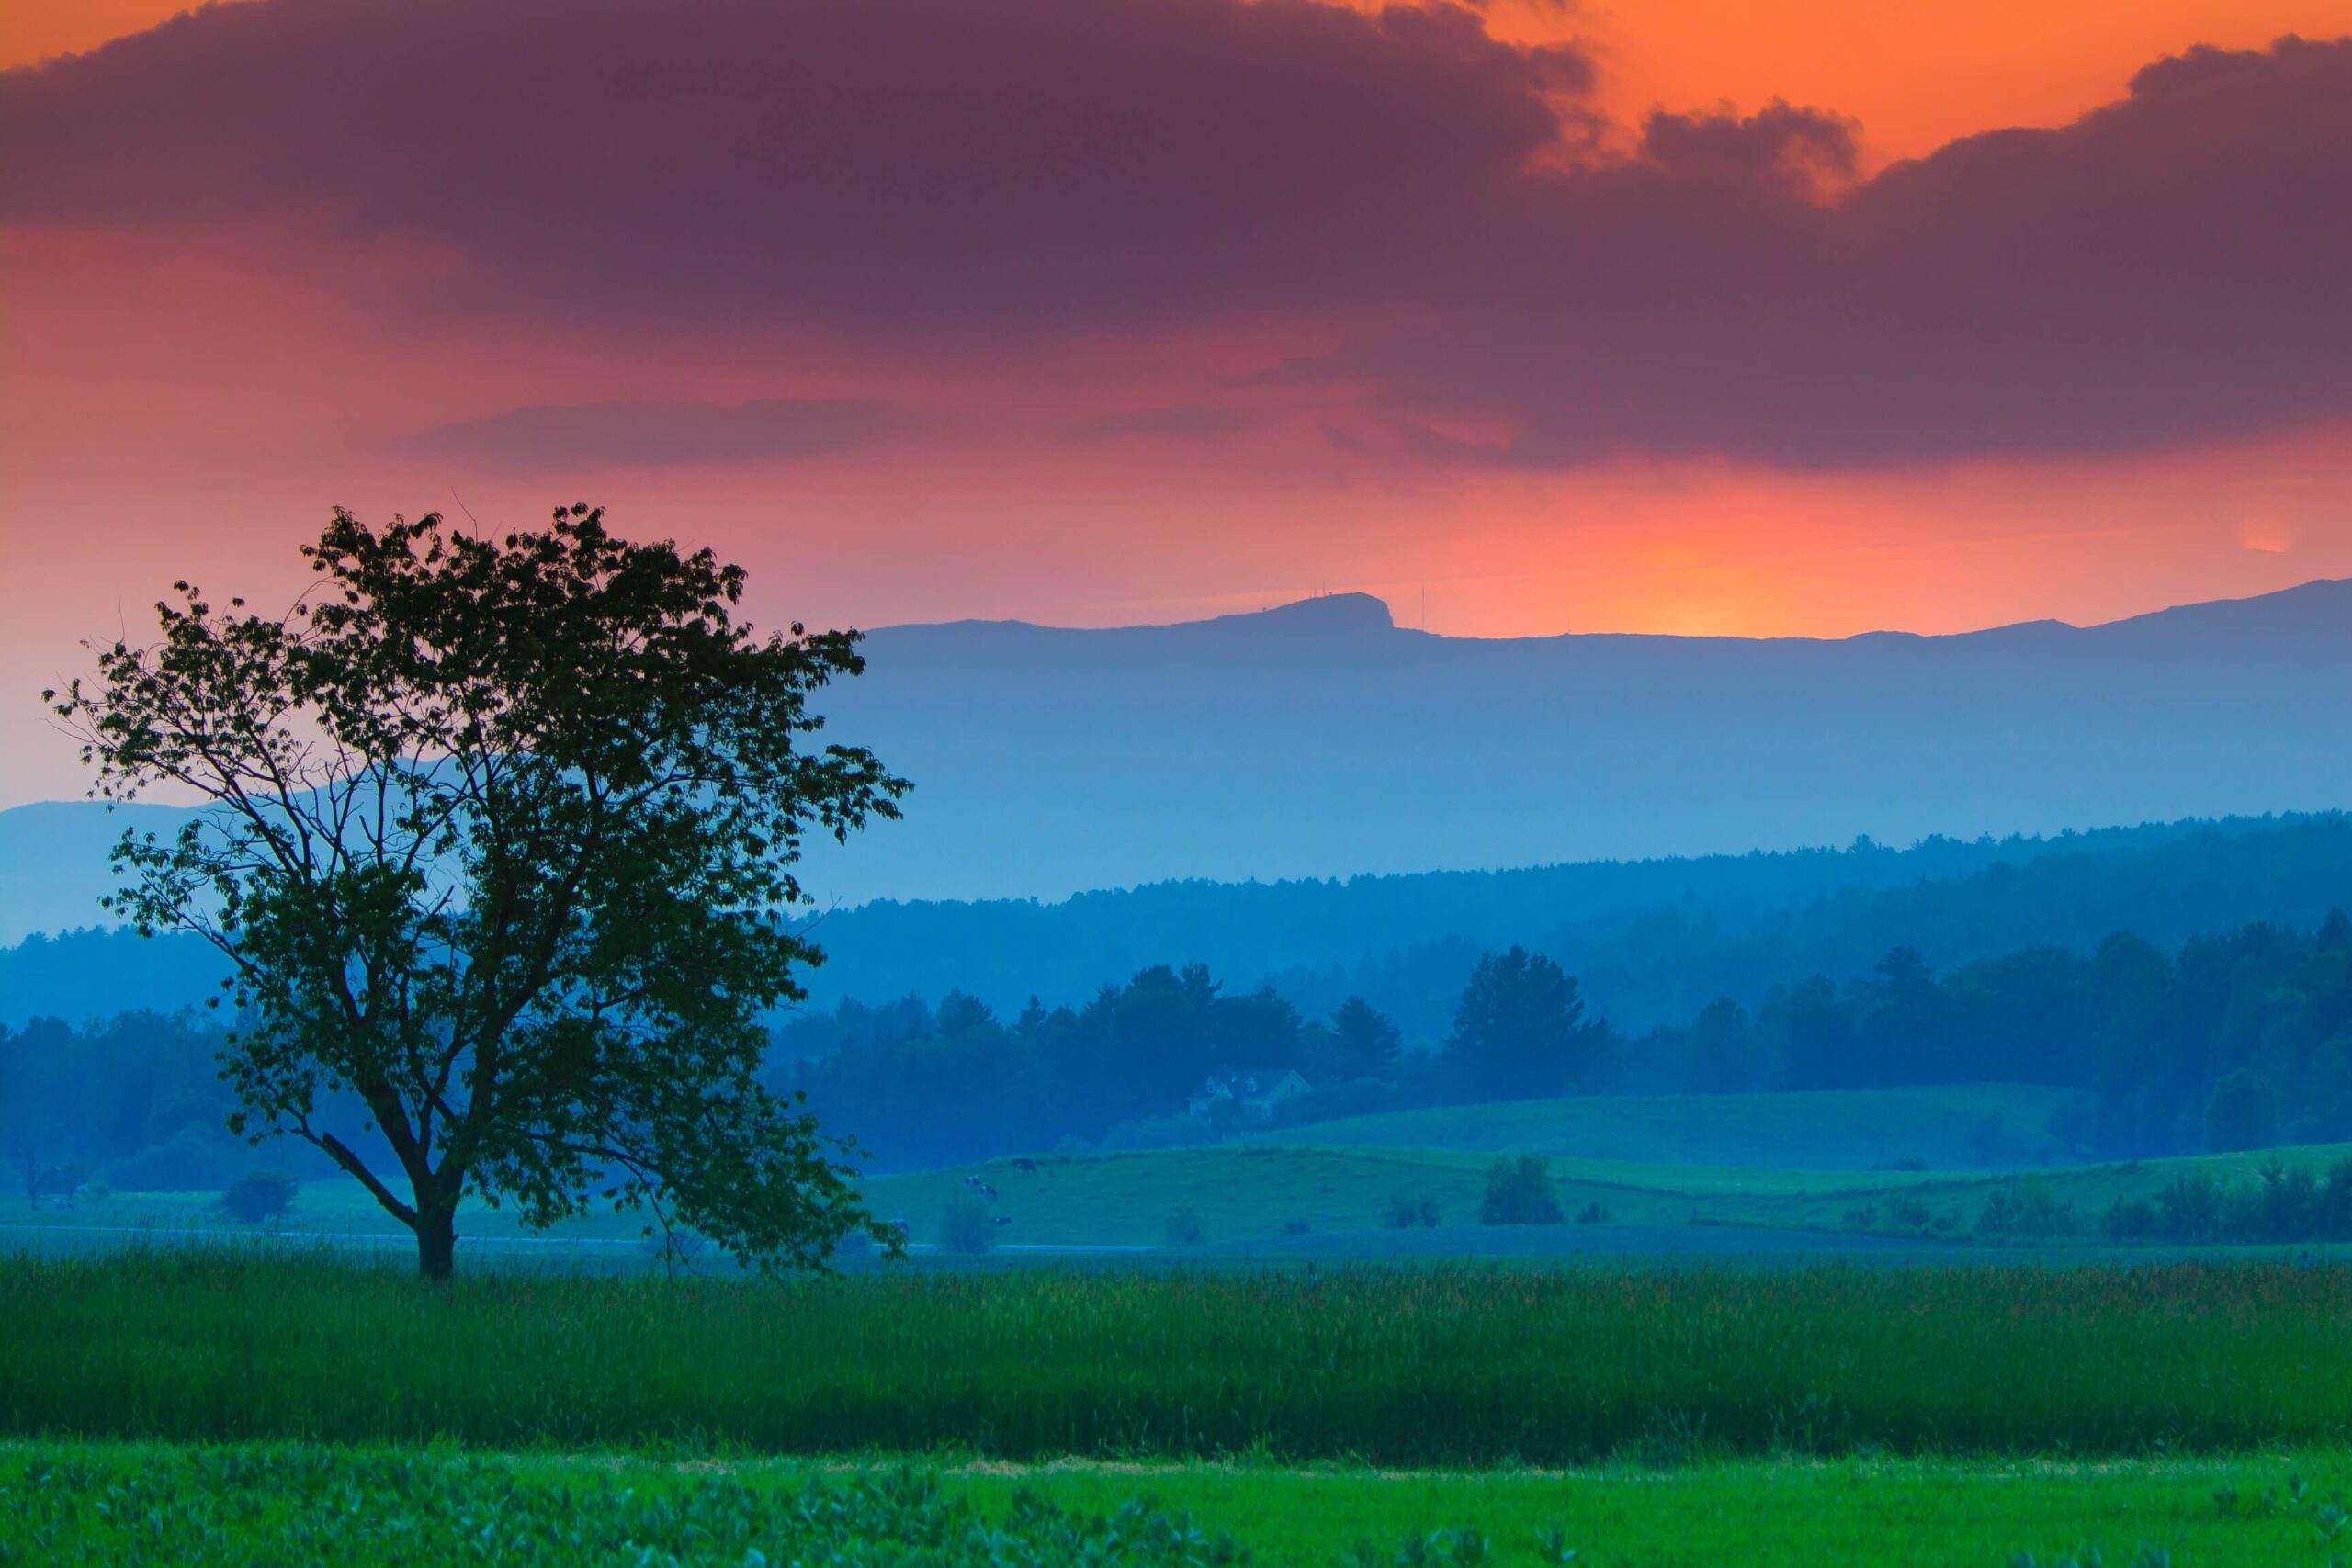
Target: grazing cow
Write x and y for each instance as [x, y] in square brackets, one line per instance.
[1002, 1221]
[987, 1190]
[1028, 1165]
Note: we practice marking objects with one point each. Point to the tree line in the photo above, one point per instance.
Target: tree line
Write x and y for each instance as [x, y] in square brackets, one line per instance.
[2236, 1041]
[1651, 943]
[2241, 1039]
[924, 1087]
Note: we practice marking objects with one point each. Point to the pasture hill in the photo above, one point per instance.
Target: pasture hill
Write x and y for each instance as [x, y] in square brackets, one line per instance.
[1955, 1173]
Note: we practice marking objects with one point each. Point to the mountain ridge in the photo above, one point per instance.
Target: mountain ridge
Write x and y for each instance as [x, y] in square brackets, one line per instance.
[1319, 740]
[1355, 610]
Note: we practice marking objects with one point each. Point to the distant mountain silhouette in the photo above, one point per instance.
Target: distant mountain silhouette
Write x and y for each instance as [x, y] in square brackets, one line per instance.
[1320, 740]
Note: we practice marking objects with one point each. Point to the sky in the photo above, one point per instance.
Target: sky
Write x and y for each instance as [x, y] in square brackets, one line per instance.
[1690, 316]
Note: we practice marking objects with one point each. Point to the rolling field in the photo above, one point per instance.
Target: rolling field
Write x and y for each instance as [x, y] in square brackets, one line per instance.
[1942, 1127]
[1271, 1391]
[1299, 1200]
[69, 1503]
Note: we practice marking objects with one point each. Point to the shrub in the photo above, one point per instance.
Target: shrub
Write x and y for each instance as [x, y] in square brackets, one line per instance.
[1519, 1193]
[1907, 1214]
[1298, 1227]
[259, 1196]
[966, 1226]
[1592, 1215]
[1184, 1228]
[2282, 1206]
[2334, 1205]
[2189, 1208]
[2131, 1219]
[1404, 1214]
[2029, 1208]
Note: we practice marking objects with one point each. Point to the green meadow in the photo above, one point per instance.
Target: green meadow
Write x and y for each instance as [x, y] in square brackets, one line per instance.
[1468, 1366]
[64, 1502]
[1736, 1360]
[1851, 1170]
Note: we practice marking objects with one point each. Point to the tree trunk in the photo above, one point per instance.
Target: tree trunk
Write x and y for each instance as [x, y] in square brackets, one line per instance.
[436, 1242]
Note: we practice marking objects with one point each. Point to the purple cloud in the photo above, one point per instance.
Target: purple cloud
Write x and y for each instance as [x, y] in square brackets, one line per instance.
[1175, 421]
[953, 180]
[649, 435]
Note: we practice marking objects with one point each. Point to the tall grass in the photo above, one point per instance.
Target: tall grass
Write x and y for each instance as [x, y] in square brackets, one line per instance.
[1463, 1367]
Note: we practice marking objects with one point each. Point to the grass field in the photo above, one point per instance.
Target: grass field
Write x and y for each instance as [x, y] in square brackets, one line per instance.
[1939, 1402]
[65, 1503]
[1457, 1367]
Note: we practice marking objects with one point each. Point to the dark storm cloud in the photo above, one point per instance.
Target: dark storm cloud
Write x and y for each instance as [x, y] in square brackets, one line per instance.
[651, 434]
[949, 177]
[909, 166]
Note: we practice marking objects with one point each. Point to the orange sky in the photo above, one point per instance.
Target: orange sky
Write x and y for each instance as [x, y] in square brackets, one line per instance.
[1914, 73]
[193, 407]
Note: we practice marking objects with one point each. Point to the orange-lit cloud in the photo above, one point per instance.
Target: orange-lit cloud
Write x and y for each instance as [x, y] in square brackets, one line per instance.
[1721, 375]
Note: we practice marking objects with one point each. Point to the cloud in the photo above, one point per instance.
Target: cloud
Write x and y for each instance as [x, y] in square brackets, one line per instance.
[649, 435]
[899, 166]
[960, 183]
[1177, 420]
[2165, 271]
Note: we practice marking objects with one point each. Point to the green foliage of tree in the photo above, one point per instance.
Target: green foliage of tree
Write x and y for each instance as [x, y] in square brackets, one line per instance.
[1364, 1045]
[1519, 1192]
[499, 841]
[2242, 1112]
[260, 1196]
[1520, 1031]
[39, 1090]
[2282, 1204]
[2027, 1208]
[1721, 1054]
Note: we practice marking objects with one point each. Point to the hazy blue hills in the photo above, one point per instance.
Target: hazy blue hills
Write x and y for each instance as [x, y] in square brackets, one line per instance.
[1319, 741]
[1653, 940]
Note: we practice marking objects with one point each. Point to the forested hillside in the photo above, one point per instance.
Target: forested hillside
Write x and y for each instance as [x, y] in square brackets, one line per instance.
[2235, 1041]
[1651, 941]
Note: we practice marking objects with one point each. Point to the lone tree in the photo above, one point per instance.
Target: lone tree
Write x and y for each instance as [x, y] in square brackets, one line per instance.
[498, 839]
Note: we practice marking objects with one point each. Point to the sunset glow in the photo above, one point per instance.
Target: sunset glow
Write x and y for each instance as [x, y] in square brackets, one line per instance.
[1515, 378]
